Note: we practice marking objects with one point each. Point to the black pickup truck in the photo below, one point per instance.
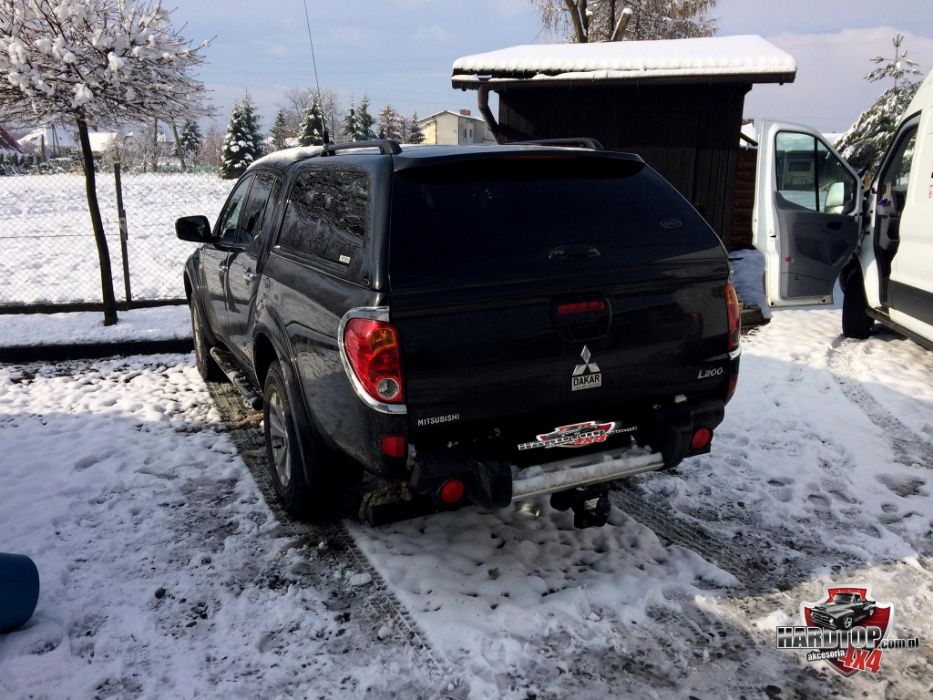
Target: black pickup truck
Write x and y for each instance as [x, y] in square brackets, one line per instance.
[465, 324]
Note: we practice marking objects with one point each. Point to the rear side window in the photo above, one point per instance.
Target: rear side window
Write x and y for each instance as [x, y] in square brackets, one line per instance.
[327, 214]
[497, 220]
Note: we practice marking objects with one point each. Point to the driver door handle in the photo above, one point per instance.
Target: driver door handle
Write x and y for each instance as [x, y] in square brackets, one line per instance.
[249, 275]
[223, 267]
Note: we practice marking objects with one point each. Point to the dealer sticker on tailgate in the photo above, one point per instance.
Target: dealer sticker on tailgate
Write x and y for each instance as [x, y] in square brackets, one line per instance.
[577, 435]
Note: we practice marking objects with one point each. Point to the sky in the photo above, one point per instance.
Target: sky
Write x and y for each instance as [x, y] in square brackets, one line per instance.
[401, 51]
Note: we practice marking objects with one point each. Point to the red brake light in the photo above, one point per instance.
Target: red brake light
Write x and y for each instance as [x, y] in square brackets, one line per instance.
[372, 349]
[581, 307]
[734, 313]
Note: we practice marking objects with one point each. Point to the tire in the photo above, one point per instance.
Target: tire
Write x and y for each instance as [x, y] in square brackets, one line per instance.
[304, 496]
[856, 323]
[847, 622]
[207, 368]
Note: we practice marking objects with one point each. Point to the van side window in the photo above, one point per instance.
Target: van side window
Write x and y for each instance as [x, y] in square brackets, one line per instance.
[897, 173]
[327, 214]
[810, 176]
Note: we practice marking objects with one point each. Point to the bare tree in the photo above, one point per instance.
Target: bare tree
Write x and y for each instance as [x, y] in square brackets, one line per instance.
[95, 61]
[584, 21]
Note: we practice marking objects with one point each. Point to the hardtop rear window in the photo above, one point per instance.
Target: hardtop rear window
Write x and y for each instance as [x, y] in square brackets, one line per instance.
[488, 221]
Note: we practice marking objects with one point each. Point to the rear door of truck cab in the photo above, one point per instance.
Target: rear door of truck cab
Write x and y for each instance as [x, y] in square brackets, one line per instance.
[807, 214]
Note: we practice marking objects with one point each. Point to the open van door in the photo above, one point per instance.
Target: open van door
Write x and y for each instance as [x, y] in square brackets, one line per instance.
[807, 214]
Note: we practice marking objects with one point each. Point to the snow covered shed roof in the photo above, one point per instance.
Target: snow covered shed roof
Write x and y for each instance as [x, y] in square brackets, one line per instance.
[747, 59]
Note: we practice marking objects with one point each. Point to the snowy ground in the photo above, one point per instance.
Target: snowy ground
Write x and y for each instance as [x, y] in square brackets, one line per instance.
[167, 573]
[159, 323]
[49, 253]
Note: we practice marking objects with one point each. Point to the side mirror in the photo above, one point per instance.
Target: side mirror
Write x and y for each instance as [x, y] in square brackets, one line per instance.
[193, 228]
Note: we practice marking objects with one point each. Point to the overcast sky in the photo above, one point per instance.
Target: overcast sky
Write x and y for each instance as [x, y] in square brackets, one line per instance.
[401, 51]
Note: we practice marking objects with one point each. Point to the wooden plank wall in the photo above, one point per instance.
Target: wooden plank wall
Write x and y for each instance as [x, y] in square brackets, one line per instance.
[744, 199]
[688, 133]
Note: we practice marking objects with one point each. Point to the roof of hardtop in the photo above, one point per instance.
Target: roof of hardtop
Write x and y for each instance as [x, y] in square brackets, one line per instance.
[412, 154]
[746, 58]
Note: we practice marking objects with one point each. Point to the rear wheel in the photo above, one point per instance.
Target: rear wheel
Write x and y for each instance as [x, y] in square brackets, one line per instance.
[207, 368]
[856, 323]
[303, 492]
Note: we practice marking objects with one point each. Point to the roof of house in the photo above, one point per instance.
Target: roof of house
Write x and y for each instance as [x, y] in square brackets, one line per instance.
[448, 111]
[746, 59]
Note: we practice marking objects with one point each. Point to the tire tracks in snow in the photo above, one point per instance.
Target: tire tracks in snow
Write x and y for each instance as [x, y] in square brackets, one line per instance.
[383, 615]
[909, 448]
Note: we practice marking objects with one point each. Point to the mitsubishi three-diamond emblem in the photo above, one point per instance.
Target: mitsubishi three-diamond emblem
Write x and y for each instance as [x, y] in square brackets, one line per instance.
[587, 375]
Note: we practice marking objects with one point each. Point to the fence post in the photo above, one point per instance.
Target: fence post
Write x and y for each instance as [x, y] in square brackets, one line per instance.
[121, 213]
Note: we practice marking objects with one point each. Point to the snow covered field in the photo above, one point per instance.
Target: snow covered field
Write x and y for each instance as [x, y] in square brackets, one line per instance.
[48, 245]
[158, 323]
[167, 573]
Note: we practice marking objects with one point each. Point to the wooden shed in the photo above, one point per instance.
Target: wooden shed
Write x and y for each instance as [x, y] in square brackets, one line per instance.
[676, 103]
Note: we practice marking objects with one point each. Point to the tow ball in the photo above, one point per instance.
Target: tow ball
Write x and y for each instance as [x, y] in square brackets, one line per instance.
[590, 505]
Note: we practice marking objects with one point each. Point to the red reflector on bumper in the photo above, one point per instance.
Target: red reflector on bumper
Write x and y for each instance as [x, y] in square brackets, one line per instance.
[394, 446]
[451, 491]
[701, 439]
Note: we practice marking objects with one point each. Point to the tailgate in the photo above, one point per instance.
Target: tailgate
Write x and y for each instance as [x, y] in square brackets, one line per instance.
[533, 294]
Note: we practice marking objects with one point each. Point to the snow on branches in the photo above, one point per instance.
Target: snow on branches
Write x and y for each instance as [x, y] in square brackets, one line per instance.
[106, 61]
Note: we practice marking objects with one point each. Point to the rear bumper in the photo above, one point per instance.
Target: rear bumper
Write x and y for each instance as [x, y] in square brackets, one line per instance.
[494, 482]
[578, 472]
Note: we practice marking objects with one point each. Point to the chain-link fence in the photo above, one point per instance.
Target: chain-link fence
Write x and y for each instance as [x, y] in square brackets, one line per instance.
[48, 257]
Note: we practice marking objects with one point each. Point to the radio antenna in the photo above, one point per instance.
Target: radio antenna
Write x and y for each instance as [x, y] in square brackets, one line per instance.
[316, 81]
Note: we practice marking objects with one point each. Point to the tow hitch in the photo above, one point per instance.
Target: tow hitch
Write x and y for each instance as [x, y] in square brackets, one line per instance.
[590, 505]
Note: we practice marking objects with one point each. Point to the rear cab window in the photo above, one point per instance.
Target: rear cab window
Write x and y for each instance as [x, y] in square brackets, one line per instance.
[487, 221]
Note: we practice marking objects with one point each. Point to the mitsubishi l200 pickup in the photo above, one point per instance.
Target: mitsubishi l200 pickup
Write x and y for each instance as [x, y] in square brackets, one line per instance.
[465, 324]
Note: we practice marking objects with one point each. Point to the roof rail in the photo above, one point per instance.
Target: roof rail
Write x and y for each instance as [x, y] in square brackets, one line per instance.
[387, 147]
[577, 141]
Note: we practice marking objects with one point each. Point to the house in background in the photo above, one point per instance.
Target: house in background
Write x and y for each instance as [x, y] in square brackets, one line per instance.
[676, 103]
[455, 128]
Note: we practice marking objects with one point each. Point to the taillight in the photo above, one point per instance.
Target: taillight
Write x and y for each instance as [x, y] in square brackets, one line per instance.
[734, 313]
[372, 350]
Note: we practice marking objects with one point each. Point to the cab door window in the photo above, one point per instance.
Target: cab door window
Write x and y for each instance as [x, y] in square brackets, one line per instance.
[897, 173]
[230, 219]
[254, 221]
[810, 176]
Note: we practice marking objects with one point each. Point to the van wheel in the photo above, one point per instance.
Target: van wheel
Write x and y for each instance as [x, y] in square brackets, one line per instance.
[207, 368]
[300, 498]
[856, 323]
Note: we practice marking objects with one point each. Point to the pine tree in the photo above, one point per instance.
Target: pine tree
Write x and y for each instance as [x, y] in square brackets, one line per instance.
[311, 131]
[869, 137]
[364, 122]
[243, 142]
[415, 135]
[189, 140]
[279, 130]
[391, 124]
[350, 125]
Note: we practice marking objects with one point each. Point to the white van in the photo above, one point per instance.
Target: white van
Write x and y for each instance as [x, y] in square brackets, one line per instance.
[814, 225]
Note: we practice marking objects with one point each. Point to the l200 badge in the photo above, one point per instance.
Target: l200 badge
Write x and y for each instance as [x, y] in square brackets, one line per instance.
[577, 435]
